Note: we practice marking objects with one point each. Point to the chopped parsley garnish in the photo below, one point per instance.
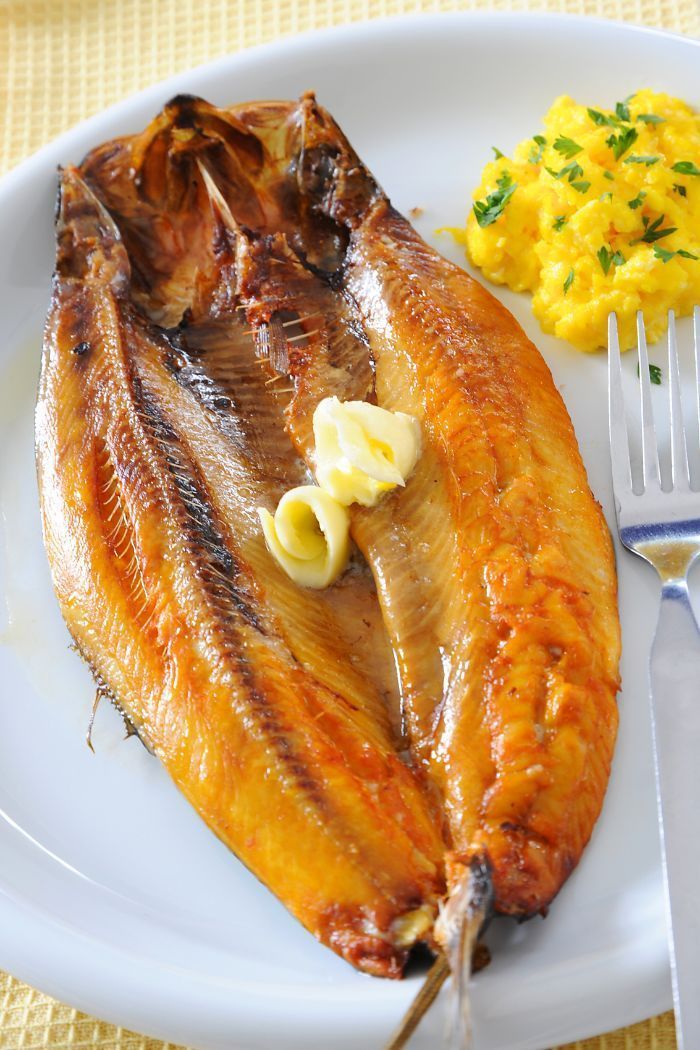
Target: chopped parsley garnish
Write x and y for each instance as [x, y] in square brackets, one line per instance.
[654, 374]
[582, 187]
[489, 210]
[619, 144]
[622, 110]
[607, 258]
[653, 231]
[536, 154]
[569, 281]
[609, 175]
[680, 190]
[685, 167]
[651, 118]
[641, 160]
[497, 153]
[608, 120]
[573, 170]
[605, 196]
[602, 120]
[559, 222]
[665, 255]
[567, 147]
[637, 201]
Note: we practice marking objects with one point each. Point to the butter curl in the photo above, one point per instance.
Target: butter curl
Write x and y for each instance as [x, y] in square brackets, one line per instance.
[362, 450]
[308, 535]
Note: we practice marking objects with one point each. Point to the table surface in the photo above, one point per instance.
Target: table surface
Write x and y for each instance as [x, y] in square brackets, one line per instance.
[61, 61]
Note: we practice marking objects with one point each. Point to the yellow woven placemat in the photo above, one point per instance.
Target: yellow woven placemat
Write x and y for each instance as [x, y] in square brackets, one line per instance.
[62, 60]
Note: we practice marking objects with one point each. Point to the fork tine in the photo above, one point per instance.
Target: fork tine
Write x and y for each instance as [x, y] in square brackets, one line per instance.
[650, 454]
[619, 440]
[679, 450]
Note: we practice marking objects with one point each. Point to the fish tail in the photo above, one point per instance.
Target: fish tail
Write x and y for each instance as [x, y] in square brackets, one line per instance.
[464, 916]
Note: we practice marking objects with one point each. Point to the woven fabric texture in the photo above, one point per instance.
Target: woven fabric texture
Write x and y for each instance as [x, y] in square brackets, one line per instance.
[61, 61]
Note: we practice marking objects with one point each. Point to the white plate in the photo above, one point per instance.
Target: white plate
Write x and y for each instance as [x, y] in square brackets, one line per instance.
[113, 895]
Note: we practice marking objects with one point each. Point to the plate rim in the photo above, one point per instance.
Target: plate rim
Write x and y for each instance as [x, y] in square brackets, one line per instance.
[68, 982]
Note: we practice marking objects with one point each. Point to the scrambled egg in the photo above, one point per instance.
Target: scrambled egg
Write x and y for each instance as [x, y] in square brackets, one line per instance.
[363, 450]
[601, 212]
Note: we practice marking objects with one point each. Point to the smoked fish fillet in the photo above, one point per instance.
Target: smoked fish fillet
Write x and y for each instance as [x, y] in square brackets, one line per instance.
[241, 683]
[450, 701]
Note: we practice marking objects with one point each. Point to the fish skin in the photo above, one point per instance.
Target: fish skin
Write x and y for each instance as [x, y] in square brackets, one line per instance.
[494, 566]
[519, 598]
[147, 503]
[522, 741]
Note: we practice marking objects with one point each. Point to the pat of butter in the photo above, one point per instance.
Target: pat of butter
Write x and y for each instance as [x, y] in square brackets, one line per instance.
[363, 451]
[308, 535]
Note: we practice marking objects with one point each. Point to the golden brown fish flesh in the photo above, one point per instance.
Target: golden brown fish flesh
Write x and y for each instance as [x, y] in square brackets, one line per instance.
[451, 699]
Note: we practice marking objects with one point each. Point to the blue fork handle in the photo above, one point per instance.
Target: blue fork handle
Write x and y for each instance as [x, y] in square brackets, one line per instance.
[675, 705]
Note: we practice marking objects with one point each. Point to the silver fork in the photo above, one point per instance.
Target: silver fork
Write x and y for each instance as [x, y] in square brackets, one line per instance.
[663, 527]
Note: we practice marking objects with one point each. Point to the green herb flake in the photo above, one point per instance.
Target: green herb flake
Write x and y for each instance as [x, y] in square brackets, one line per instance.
[653, 231]
[609, 175]
[641, 160]
[582, 187]
[573, 170]
[497, 153]
[622, 110]
[636, 202]
[665, 255]
[680, 190]
[606, 196]
[567, 147]
[619, 144]
[654, 374]
[569, 281]
[602, 120]
[685, 167]
[536, 153]
[488, 211]
[651, 118]
[559, 222]
[608, 258]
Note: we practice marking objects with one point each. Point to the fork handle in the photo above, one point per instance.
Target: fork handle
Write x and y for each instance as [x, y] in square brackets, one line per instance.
[675, 704]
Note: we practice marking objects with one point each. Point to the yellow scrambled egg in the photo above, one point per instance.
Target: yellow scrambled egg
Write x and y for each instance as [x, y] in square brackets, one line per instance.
[601, 212]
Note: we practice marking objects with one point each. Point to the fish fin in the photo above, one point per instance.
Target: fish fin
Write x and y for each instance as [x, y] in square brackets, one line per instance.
[461, 920]
[103, 692]
[463, 917]
[95, 704]
[219, 205]
[89, 244]
[436, 977]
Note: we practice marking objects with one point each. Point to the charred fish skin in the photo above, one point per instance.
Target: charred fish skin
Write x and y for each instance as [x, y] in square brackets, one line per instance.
[160, 585]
